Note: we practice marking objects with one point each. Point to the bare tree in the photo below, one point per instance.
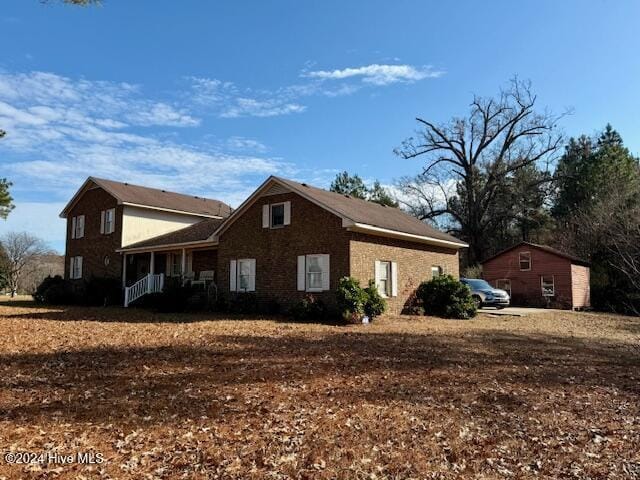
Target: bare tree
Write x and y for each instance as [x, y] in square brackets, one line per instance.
[22, 250]
[468, 161]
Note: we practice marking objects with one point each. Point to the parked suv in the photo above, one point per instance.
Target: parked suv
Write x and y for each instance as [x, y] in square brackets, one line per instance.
[485, 295]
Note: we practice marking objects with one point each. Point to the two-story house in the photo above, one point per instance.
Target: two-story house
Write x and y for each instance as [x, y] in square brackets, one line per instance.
[288, 239]
[105, 216]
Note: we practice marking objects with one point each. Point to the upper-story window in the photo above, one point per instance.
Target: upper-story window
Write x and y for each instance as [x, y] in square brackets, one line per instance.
[77, 226]
[108, 221]
[525, 261]
[276, 215]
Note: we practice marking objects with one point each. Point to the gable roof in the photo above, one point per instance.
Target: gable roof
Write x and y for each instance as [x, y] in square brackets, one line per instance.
[136, 195]
[198, 232]
[545, 248]
[357, 214]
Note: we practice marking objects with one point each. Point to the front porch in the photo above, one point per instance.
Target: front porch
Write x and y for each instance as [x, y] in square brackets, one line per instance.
[148, 271]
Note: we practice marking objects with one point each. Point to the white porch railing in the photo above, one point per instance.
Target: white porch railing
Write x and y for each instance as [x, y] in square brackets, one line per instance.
[148, 284]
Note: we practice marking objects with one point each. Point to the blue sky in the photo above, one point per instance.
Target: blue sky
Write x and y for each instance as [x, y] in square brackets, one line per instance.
[212, 97]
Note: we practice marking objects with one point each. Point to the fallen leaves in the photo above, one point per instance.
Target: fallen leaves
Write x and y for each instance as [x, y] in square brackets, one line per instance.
[549, 396]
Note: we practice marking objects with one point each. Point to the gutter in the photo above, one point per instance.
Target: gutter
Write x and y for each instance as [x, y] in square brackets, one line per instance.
[385, 232]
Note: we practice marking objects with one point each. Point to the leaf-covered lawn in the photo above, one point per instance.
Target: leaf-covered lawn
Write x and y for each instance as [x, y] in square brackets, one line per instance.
[164, 396]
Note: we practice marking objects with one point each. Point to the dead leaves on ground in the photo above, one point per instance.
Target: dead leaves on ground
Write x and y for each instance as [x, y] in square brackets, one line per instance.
[549, 397]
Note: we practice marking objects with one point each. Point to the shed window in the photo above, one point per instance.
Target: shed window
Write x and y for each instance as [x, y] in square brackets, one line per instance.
[548, 285]
[436, 271]
[525, 261]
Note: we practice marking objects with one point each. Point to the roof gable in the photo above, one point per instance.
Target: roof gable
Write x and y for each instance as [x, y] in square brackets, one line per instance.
[145, 197]
[354, 212]
[544, 248]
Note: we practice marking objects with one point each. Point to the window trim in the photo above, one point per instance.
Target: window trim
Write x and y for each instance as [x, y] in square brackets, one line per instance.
[520, 261]
[271, 205]
[553, 286]
[504, 280]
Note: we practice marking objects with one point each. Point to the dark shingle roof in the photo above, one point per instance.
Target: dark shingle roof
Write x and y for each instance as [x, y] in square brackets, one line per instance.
[153, 197]
[370, 213]
[194, 233]
[546, 248]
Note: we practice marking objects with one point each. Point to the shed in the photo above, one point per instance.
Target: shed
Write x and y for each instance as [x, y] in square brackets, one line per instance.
[539, 275]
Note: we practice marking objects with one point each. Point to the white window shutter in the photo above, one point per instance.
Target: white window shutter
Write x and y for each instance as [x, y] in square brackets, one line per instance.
[265, 216]
[102, 215]
[252, 275]
[376, 274]
[73, 227]
[233, 276]
[79, 267]
[394, 279]
[301, 273]
[326, 272]
[71, 259]
[287, 213]
[81, 226]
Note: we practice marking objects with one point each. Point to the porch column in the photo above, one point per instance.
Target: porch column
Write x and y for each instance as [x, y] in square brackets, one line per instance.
[183, 266]
[124, 270]
[152, 263]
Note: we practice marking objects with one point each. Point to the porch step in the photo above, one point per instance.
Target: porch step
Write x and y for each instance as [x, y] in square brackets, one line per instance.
[148, 284]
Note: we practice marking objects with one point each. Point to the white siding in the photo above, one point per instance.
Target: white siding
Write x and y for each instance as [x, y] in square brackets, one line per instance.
[140, 224]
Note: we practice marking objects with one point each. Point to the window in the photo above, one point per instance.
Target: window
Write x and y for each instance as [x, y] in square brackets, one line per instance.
[277, 215]
[548, 286]
[107, 221]
[436, 271]
[313, 273]
[77, 227]
[383, 278]
[75, 268]
[504, 284]
[242, 275]
[525, 261]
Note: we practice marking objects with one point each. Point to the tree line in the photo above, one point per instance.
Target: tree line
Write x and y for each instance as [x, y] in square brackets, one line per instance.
[504, 173]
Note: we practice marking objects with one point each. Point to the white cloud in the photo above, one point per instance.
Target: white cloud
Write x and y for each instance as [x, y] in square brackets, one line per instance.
[380, 75]
[260, 108]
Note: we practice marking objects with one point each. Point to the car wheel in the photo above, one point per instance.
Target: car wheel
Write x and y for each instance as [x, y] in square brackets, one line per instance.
[477, 301]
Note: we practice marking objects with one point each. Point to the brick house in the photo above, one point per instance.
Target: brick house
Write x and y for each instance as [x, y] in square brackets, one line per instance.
[538, 275]
[290, 239]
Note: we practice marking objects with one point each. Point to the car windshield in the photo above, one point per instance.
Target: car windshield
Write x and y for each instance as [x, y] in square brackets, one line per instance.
[478, 284]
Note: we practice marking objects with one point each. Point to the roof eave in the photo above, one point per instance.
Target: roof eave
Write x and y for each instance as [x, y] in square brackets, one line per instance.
[168, 246]
[385, 232]
[162, 209]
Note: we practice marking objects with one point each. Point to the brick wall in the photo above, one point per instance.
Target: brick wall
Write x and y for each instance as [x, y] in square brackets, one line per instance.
[94, 246]
[525, 285]
[414, 263]
[313, 230]
[581, 290]
[204, 260]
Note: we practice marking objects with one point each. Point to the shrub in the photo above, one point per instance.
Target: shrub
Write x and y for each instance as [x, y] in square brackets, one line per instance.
[374, 304]
[174, 298]
[309, 308]
[444, 296]
[243, 303]
[350, 298]
[101, 291]
[55, 291]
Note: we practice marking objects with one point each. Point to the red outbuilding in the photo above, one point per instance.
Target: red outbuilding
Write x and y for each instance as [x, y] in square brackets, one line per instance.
[538, 275]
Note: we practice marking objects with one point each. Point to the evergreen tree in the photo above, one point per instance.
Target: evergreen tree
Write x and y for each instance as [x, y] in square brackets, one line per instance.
[349, 185]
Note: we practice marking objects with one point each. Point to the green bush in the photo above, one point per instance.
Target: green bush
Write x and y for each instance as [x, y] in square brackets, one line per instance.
[173, 299]
[244, 303]
[350, 299]
[446, 297]
[102, 291]
[54, 291]
[309, 308]
[374, 305]
[353, 301]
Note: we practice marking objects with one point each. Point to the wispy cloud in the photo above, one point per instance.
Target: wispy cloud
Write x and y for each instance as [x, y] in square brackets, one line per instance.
[380, 75]
[228, 100]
